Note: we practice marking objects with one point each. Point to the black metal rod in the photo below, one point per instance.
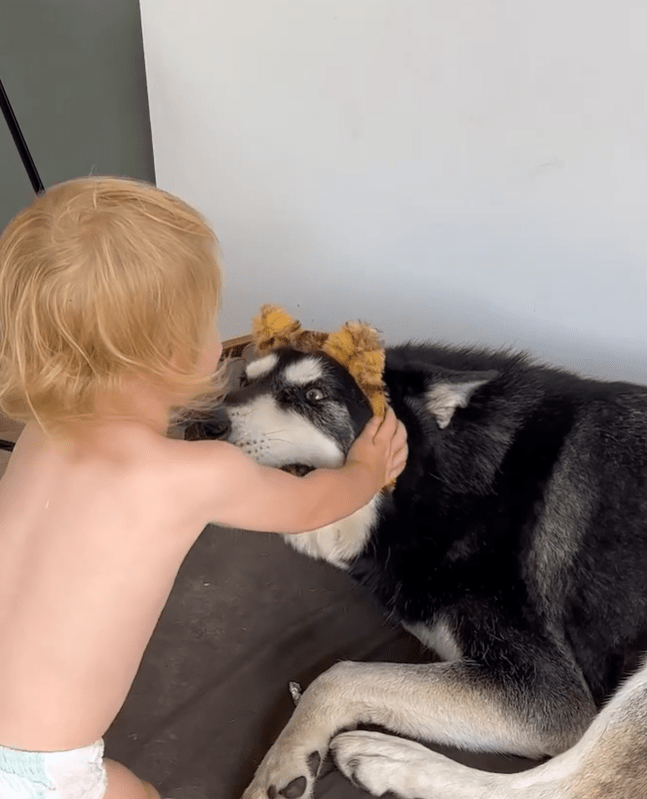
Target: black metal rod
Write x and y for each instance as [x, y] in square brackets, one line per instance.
[30, 166]
[19, 140]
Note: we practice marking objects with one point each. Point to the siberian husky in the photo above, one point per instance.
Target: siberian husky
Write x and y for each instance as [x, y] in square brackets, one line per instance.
[514, 546]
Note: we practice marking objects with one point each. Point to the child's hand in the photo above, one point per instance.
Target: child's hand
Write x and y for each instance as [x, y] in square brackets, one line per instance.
[382, 447]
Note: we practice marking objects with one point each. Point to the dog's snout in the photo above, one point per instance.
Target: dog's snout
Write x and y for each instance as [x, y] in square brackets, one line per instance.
[215, 427]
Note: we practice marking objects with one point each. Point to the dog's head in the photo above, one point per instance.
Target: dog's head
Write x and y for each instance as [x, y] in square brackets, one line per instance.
[295, 410]
[304, 397]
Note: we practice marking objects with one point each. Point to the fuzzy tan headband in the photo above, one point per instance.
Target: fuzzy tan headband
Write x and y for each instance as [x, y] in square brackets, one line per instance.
[355, 346]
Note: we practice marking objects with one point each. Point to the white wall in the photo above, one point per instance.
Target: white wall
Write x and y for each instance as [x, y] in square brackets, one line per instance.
[465, 170]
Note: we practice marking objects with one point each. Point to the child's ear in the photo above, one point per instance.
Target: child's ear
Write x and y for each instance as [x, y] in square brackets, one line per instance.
[273, 327]
[454, 391]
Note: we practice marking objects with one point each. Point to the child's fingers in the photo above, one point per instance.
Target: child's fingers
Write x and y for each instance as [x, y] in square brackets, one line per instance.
[401, 451]
[388, 425]
[399, 439]
[400, 456]
[389, 432]
[372, 426]
[398, 467]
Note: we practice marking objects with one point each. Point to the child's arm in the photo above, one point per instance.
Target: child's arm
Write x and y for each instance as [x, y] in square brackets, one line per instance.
[238, 492]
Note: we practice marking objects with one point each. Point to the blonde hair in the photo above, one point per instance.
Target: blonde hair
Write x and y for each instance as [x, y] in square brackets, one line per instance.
[103, 278]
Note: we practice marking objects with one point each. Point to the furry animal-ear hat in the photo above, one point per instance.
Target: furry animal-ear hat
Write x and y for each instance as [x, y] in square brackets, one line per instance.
[355, 346]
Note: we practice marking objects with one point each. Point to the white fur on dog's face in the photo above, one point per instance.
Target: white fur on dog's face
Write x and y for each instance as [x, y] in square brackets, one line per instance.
[261, 366]
[295, 411]
[273, 436]
[303, 372]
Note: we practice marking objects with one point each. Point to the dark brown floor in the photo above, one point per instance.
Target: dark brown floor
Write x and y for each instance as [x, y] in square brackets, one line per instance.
[247, 615]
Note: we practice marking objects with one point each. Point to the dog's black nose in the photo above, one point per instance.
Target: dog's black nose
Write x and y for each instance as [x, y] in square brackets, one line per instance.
[214, 427]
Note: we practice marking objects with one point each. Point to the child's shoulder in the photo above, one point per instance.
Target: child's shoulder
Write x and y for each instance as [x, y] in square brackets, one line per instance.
[153, 477]
[120, 477]
[198, 482]
[122, 456]
[112, 475]
[137, 451]
[184, 474]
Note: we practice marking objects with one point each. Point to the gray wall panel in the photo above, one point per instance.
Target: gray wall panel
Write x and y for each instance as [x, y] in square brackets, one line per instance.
[74, 72]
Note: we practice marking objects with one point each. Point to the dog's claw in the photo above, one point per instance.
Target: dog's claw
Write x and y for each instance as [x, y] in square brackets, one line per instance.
[295, 691]
[276, 779]
[295, 789]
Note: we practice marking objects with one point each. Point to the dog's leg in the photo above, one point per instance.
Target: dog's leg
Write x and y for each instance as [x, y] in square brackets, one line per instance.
[379, 763]
[608, 762]
[451, 703]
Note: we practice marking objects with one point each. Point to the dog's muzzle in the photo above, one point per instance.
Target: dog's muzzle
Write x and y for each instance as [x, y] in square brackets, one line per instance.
[217, 426]
[297, 469]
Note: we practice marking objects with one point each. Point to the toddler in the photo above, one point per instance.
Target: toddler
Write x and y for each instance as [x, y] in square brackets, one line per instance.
[108, 295]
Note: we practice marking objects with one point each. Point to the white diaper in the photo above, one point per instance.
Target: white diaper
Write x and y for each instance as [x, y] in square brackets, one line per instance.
[73, 774]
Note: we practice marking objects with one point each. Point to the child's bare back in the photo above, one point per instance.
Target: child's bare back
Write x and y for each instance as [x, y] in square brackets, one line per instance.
[98, 508]
[94, 531]
[91, 542]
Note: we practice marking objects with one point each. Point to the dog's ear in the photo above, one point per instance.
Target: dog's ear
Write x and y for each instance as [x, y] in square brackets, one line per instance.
[273, 327]
[359, 350]
[453, 391]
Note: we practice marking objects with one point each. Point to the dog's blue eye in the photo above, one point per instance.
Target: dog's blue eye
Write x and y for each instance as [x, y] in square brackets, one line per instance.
[314, 395]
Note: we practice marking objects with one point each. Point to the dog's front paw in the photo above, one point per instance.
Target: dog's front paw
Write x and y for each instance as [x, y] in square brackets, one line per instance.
[289, 774]
[378, 763]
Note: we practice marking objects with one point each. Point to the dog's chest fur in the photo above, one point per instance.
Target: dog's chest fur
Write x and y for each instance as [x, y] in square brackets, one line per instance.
[342, 542]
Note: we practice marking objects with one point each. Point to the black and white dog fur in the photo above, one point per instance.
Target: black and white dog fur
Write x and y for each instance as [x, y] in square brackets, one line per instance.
[514, 546]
